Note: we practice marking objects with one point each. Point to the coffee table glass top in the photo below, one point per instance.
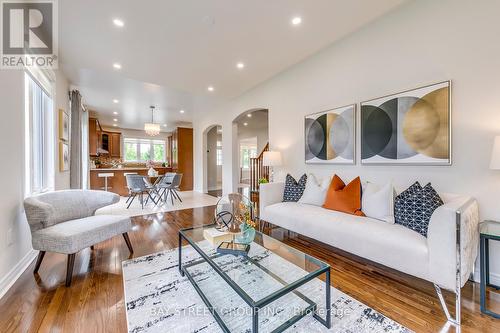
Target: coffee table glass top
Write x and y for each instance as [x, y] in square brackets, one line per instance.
[490, 228]
[270, 263]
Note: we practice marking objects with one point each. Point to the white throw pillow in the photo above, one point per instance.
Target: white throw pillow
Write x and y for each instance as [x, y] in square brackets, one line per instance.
[378, 201]
[315, 191]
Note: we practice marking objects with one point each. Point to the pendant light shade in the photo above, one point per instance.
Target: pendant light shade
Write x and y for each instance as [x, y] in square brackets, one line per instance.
[151, 128]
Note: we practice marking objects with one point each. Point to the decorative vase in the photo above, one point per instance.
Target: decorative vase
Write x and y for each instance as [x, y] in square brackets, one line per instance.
[247, 234]
[151, 172]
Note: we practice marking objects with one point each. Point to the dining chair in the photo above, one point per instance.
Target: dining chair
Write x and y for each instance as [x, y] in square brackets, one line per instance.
[137, 186]
[172, 188]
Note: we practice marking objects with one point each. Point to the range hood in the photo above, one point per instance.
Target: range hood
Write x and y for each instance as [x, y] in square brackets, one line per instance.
[101, 151]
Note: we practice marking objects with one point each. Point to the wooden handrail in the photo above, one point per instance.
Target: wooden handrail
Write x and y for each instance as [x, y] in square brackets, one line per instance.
[258, 170]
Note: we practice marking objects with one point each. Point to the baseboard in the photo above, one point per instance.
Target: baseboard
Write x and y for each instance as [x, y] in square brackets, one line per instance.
[494, 278]
[14, 274]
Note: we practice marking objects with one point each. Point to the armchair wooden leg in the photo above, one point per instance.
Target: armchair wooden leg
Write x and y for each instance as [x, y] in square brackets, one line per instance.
[129, 244]
[69, 268]
[39, 259]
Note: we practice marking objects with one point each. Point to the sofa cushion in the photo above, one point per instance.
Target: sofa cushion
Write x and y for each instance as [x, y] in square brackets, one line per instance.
[414, 207]
[388, 244]
[315, 191]
[378, 201]
[344, 198]
[294, 189]
[73, 236]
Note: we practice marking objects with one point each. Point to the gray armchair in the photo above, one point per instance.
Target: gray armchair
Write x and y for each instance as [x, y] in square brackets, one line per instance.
[64, 222]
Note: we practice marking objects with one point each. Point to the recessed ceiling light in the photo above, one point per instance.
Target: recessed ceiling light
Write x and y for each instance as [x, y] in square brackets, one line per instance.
[118, 22]
[181, 111]
[297, 20]
[114, 125]
[116, 101]
[115, 119]
[210, 88]
[245, 124]
[240, 65]
[249, 115]
[117, 66]
[115, 113]
[164, 125]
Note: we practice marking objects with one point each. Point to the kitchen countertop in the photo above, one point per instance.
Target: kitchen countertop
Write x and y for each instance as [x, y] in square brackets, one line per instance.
[126, 169]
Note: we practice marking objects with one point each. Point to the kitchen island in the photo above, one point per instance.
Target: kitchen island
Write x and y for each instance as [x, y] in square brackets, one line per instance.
[118, 183]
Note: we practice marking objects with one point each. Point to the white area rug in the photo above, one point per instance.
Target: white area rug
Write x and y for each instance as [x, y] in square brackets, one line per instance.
[190, 199]
[158, 299]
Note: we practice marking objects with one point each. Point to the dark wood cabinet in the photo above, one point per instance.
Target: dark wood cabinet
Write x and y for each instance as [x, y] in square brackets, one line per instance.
[115, 145]
[105, 141]
[94, 136]
[99, 139]
[182, 156]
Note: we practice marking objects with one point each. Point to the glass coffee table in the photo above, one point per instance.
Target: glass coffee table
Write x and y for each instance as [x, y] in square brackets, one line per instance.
[264, 289]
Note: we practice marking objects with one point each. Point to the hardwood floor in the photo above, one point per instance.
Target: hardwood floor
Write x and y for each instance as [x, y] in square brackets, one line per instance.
[94, 302]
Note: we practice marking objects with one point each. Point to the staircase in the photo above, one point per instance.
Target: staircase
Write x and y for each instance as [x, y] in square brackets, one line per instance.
[258, 170]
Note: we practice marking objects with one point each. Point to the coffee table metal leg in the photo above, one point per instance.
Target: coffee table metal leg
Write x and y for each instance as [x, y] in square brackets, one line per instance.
[255, 320]
[180, 254]
[327, 322]
[328, 300]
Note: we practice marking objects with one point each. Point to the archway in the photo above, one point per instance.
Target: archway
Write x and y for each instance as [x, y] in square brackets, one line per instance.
[212, 160]
[250, 139]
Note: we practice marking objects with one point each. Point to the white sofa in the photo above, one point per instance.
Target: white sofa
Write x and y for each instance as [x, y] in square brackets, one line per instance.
[440, 258]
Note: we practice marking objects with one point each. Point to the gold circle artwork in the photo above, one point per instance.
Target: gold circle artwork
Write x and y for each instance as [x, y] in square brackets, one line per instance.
[426, 124]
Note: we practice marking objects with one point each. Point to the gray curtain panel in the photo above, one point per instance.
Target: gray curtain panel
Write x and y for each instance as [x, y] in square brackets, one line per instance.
[75, 171]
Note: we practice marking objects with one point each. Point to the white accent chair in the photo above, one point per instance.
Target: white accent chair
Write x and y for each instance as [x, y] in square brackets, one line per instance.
[445, 258]
[65, 222]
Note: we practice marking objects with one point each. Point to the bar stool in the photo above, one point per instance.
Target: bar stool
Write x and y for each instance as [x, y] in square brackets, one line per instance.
[105, 175]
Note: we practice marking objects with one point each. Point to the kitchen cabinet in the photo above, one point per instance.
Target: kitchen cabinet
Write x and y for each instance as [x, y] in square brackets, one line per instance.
[115, 147]
[182, 156]
[94, 136]
[103, 140]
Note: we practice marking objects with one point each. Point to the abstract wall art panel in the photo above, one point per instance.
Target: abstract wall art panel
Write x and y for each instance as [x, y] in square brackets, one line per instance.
[330, 136]
[412, 127]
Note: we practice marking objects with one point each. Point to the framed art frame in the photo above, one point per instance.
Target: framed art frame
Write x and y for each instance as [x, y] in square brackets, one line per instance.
[330, 136]
[63, 156]
[63, 125]
[412, 127]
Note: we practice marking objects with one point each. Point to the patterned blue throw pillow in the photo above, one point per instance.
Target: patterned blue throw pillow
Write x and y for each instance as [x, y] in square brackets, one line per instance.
[293, 189]
[414, 207]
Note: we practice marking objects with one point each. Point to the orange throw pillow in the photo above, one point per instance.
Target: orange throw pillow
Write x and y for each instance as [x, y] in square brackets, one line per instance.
[344, 198]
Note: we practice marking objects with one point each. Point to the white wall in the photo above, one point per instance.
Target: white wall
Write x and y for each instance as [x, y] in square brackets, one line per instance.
[61, 101]
[15, 238]
[214, 171]
[423, 42]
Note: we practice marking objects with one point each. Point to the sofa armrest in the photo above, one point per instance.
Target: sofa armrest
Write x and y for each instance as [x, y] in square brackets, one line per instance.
[38, 213]
[99, 199]
[443, 245]
[269, 194]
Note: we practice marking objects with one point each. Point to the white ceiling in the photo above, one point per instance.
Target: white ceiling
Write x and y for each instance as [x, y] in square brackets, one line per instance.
[172, 50]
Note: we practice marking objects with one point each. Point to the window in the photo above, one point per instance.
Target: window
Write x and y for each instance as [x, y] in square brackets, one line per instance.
[219, 153]
[247, 150]
[39, 138]
[142, 150]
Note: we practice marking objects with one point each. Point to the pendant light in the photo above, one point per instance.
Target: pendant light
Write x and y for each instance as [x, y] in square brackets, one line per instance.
[151, 128]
